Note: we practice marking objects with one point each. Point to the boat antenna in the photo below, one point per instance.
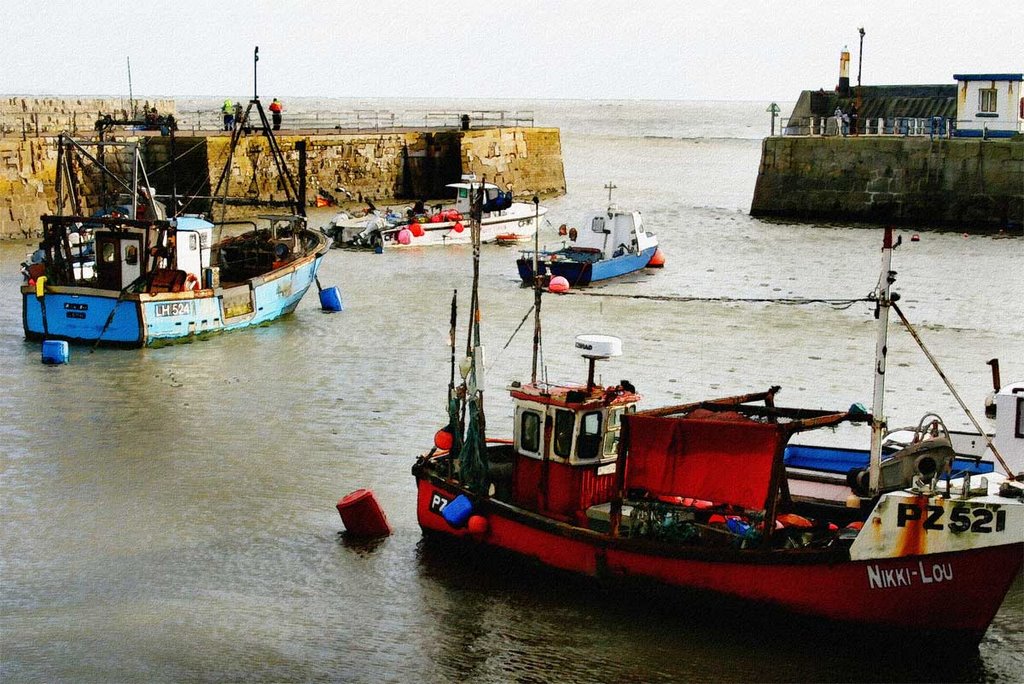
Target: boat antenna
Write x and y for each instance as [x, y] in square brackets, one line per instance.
[883, 301]
[131, 98]
[255, 61]
[609, 187]
[536, 288]
[451, 336]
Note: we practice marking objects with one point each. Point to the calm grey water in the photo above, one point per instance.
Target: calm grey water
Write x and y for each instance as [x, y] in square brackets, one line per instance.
[168, 514]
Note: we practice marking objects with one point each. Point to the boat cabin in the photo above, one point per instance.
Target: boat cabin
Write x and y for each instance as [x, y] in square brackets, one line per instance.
[613, 233]
[126, 253]
[1009, 436]
[566, 438]
[495, 201]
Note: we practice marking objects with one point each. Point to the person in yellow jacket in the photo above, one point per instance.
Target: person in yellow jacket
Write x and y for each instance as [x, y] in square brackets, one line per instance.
[275, 113]
[229, 115]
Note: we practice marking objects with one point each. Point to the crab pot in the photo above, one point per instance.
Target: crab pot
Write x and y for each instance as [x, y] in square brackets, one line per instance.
[55, 352]
[362, 516]
[330, 299]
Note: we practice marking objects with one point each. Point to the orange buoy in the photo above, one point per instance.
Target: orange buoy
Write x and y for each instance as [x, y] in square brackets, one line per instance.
[558, 285]
[794, 520]
[443, 439]
[416, 229]
[657, 259]
[477, 525]
[362, 516]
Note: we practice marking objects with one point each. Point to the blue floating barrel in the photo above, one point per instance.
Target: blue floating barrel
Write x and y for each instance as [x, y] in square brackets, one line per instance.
[458, 510]
[330, 299]
[55, 351]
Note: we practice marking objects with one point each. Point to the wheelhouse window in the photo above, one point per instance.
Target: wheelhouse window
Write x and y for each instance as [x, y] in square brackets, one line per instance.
[611, 435]
[598, 224]
[589, 442]
[987, 100]
[1019, 429]
[109, 253]
[565, 421]
[463, 193]
[131, 255]
[529, 432]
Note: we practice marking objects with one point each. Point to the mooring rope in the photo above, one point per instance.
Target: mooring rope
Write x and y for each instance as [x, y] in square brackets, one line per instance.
[788, 301]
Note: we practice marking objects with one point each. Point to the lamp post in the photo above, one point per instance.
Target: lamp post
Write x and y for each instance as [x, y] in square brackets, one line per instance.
[860, 54]
[860, 62]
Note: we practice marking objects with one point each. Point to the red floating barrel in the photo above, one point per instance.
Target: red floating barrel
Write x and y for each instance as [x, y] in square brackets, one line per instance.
[657, 259]
[362, 515]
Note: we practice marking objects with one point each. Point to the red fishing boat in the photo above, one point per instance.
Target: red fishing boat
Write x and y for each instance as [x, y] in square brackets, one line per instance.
[695, 499]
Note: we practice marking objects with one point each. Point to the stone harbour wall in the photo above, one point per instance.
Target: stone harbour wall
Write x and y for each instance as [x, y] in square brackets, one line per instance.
[380, 167]
[969, 184]
[34, 116]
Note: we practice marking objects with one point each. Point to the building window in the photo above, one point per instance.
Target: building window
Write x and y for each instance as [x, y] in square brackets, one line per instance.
[529, 432]
[987, 100]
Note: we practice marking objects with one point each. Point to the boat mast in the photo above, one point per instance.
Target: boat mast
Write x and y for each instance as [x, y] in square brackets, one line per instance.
[536, 288]
[878, 423]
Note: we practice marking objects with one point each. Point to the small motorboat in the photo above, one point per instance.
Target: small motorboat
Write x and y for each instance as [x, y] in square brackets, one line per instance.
[500, 215]
[608, 244]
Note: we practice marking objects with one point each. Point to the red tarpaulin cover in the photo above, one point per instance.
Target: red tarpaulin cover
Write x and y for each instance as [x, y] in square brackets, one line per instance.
[724, 460]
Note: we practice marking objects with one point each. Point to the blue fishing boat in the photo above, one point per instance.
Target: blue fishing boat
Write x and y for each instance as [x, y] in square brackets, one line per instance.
[158, 278]
[608, 244]
[163, 280]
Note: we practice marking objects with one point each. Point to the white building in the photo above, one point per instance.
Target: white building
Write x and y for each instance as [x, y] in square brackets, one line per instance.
[989, 105]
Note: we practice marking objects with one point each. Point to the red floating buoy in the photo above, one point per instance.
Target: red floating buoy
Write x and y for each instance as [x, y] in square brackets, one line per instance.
[915, 238]
[443, 439]
[457, 227]
[558, 285]
[362, 516]
[657, 259]
[416, 228]
[477, 525]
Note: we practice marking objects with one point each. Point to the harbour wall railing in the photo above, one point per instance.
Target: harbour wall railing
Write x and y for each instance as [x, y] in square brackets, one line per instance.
[35, 123]
[929, 127]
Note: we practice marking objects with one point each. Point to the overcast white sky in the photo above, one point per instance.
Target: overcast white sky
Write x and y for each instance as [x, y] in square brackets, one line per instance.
[602, 49]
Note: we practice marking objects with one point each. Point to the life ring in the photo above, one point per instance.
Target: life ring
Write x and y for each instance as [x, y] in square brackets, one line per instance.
[192, 282]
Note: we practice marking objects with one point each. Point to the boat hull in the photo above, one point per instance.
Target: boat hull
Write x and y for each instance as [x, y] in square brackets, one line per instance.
[907, 594]
[83, 314]
[580, 273]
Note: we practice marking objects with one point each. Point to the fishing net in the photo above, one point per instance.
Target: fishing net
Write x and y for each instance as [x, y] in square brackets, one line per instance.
[473, 456]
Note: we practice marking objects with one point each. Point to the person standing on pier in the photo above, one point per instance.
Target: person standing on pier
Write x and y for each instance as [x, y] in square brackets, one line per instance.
[229, 115]
[275, 112]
